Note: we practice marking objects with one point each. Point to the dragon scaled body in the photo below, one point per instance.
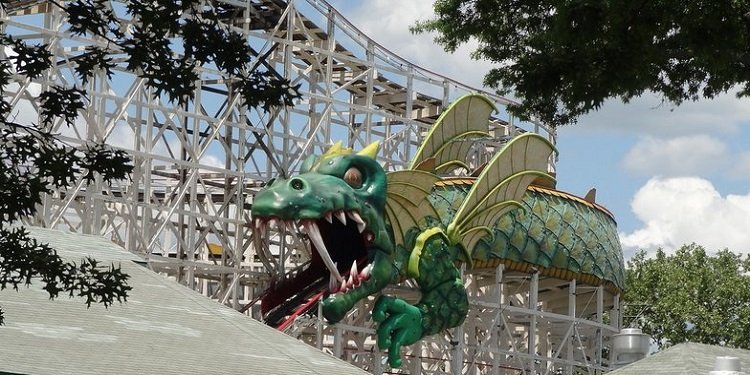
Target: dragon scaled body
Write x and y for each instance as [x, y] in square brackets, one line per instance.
[369, 228]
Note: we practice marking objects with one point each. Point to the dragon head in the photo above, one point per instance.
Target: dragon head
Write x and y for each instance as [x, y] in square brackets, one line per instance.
[339, 200]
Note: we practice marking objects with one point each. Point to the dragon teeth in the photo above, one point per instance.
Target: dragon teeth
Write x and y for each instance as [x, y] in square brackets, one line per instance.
[357, 219]
[314, 233]
[333, 284]
[355, 216]
[354, 279]
[341, 216]
[344, 285]
[366, 272]
[329, 217]
[354, 274]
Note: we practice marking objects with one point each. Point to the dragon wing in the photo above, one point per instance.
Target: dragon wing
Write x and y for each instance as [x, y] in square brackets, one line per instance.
[406, 201]
[500, 188]
[466, 117]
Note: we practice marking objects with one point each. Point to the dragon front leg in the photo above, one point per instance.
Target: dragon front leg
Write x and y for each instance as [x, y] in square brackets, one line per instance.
[444, 303]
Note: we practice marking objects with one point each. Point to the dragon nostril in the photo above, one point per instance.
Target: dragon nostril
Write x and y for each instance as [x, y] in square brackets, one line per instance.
[296, 184]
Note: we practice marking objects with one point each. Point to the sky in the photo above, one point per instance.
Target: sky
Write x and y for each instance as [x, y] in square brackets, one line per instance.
[671, 175]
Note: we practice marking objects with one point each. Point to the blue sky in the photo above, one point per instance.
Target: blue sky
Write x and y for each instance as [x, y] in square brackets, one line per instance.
[671, 175]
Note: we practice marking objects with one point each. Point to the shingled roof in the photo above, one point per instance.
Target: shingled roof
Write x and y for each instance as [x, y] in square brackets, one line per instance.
[684, 359]
[164, 328]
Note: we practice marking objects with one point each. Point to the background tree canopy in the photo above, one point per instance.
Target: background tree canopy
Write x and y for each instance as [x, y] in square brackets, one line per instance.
[564, 58]
[170, 40]
[690, 296]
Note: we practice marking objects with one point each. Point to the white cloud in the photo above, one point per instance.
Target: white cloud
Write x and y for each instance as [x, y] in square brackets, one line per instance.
[648, 115]
[681, 156]
[677, 211]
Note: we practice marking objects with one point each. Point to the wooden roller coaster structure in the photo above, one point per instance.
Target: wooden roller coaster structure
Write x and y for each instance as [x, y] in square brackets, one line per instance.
[197, 168]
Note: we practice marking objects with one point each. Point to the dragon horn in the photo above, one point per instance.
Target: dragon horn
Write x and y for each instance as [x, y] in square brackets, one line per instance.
[370, 151]
[335, 148]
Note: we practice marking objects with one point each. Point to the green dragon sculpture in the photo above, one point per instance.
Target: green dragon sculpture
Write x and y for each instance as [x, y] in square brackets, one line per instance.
[369, 228]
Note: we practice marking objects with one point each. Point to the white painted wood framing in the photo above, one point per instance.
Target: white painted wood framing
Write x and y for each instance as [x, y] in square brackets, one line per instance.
[198, 166]
[517, 324]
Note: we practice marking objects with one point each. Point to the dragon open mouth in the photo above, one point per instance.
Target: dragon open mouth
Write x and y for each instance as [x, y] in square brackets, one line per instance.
[339, 241]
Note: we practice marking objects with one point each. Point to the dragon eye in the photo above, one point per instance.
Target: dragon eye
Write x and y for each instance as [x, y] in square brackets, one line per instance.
[353, 177]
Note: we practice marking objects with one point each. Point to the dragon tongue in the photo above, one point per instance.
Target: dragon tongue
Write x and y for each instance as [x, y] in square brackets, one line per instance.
[354, 270]
[366, 272]
[314, 233]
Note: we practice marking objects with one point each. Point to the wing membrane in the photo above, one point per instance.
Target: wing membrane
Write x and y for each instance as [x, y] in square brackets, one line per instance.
[466, 118]
[406, 200]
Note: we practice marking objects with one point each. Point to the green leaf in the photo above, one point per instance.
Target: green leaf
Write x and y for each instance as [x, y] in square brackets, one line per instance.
[566, 58]
[689, 296]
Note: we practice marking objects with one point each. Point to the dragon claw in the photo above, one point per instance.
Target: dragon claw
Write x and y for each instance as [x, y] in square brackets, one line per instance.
[400, 325]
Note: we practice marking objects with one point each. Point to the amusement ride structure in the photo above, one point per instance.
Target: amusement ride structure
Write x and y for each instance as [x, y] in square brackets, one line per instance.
[549, 306]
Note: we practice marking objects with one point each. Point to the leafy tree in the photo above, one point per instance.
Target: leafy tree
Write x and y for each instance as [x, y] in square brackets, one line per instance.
[33, 162]
[690, 296]
[564, 58]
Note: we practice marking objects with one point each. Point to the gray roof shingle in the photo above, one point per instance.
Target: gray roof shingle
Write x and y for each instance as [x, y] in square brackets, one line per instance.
[684, 359]
[163, 328]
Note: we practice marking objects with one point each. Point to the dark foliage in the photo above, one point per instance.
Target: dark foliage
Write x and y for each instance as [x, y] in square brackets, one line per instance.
[564, 58]
[33, 162]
